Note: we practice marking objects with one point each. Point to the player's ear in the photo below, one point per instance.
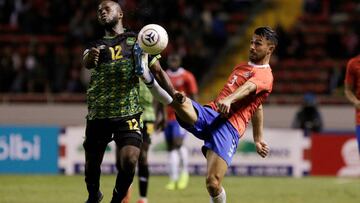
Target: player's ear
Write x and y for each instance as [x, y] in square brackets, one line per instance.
[271, 48]
[120, 15]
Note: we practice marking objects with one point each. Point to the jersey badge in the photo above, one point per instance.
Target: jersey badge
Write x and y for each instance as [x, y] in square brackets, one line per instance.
[130, 41]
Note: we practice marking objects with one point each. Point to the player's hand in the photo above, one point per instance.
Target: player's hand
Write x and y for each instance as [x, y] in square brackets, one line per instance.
[93, 56]
[159, 124]
[262, 148]
[224, 106]
[179, 97]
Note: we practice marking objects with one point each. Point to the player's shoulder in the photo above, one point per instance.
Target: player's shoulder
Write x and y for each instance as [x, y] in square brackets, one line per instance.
[242, 64]
[187, 72]
[95, 43]
[241, 67]
[355, 61]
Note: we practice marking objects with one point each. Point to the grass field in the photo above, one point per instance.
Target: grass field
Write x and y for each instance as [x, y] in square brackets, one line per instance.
[68, 189]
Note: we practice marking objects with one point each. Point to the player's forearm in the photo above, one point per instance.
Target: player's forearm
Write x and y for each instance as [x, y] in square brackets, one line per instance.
[242, 92]
[351, 96]
[257, 123]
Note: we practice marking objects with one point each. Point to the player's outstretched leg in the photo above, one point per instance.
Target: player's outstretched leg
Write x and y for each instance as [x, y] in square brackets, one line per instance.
[143, 72]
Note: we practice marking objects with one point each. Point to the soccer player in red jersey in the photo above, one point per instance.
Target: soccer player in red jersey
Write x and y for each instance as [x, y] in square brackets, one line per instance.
[352, 89]
[222, 122]
[183, 81]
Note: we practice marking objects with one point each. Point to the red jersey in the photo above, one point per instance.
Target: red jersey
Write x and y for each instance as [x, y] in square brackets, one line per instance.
[352, 78]
[183, 81]
[242, 111]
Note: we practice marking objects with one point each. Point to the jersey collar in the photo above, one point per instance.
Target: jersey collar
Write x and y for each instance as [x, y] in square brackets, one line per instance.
[258, 66]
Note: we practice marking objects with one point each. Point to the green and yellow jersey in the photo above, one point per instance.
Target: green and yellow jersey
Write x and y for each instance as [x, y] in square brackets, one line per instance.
[146, 101]
[114, 88]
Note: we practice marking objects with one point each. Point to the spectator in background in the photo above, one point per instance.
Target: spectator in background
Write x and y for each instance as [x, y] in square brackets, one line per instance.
[74, 84]
[7, 73]
[308, 117]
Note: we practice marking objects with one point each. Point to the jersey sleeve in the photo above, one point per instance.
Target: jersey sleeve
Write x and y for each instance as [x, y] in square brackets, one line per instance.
[263, 81]
[191, 83]
[349, 75]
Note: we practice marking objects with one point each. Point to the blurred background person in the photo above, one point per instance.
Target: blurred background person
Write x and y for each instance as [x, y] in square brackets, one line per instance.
[183, 81]
[352, 89]
[308, 116]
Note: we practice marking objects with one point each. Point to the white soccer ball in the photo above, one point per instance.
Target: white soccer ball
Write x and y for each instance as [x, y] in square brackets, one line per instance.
[153, 39]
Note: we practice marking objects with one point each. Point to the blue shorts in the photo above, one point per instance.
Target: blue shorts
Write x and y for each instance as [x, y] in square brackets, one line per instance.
[358, 136]
[173, 130]
[218, 133]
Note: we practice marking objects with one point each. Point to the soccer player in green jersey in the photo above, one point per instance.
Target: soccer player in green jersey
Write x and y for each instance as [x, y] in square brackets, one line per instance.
[113, 102]
[153, 118]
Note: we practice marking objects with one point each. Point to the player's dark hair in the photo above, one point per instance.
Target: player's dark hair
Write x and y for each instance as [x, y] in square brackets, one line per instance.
[268, 33]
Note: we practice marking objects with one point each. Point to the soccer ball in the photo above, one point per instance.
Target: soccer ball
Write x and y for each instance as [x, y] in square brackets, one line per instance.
[153, 39]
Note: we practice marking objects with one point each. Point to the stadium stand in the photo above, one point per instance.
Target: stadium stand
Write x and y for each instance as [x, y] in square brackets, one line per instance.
[42, 43]
[317, 39]
[43, 40]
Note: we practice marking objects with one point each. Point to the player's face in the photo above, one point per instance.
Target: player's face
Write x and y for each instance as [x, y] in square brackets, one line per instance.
[174, 63]
[108, 13]
[259, 48]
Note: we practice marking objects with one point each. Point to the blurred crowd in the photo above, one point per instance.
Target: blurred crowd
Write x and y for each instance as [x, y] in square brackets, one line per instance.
[325, 37]
[338, 24]
[42, 41]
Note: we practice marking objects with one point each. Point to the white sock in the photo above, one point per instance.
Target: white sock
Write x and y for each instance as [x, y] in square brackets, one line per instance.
[221, 198]
[174, 165]
[156, 90]
[184, 156]
[159, 93]
[144, 199]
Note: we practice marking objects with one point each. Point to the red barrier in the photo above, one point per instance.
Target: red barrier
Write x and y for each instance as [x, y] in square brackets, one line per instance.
[334, 154]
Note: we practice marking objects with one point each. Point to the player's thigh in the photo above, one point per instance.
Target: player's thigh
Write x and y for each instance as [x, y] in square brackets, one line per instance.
[97, 136]
[216, 166]
[186, 112]
[128, 146]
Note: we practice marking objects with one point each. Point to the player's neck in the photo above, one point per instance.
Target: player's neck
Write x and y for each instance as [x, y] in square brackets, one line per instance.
[264, 61]
[115, 30]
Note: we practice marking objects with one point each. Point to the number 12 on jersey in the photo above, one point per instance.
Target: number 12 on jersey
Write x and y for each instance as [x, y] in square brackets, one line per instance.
[116, 52]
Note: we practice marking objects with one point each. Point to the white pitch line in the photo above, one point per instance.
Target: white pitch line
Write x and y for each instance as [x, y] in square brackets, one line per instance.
[342, 181]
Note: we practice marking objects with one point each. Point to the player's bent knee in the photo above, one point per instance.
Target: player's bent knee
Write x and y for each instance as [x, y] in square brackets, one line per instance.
[186, 112]
[127, 164]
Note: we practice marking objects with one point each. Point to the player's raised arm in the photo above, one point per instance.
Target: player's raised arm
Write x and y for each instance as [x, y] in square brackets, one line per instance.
[257, 122]
[244, 90]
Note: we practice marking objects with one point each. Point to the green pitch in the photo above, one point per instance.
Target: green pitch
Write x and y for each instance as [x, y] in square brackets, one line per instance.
[68, 189]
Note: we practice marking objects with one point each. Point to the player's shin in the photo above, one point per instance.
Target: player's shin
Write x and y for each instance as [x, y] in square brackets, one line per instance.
[123, 182]
[143, 180]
